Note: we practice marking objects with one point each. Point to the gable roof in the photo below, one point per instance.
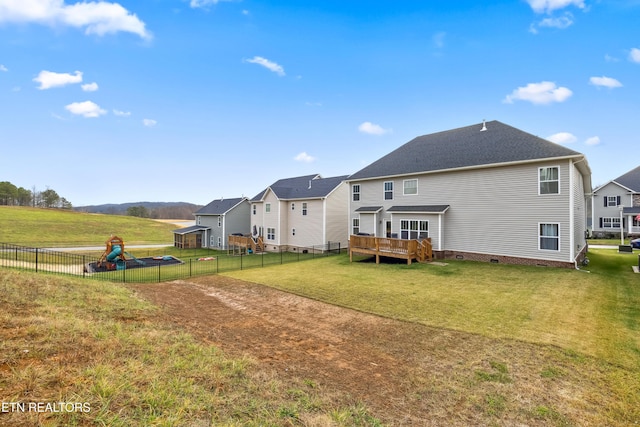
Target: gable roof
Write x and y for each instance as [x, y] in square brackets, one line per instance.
[302, 187]
[219, 206]
[463, 148]
[630, 180]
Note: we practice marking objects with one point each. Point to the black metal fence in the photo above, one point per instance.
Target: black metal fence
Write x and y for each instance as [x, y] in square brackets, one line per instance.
[152, 269]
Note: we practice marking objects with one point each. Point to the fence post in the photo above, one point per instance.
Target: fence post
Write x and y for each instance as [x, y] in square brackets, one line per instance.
[36, 260]
[158, 273]
[190, 259]
[280, 256]
[84, 263]
[240, 259]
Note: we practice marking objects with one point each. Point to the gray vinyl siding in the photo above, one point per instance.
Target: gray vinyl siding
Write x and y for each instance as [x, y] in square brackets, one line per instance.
[580, 212]
[492, 210]
[336, 208]
[308, 227]
[600, 211]
[236, 220]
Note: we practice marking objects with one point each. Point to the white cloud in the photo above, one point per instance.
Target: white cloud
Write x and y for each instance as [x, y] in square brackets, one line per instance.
[561, 22]
[304, 157]
[372, 129]
[634, 55]
[149, 122]
[562, 138]
[605, 81]
[121, 113]
[85, 109]
[272, 66]
[594, 140]
[539, 93]
[3, 68]
[204, 3]
[90, 87]
[548, 6]
[49, 79]
[96, 17]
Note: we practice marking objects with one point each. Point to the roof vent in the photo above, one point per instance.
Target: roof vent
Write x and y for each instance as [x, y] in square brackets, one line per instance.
[484, 125]
[309, 185]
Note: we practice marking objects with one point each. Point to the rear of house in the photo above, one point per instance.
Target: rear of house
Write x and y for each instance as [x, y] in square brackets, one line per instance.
[498, 195]
[616, 206]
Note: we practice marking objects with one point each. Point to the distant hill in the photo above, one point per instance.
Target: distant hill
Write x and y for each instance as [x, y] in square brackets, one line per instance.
[157, 210]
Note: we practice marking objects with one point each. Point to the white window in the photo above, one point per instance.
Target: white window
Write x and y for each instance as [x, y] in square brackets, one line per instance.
[414, 229]
[611, 222]
[212, 241]
[355, 229]
[267, 207]
[254, 208]
[388, 190]
[219, 221]
[550, 237]
[271, 233]
[612, 201]
[198, 220]
[293, 232]
[549, 180]
[355, 190]
[304, 208]
[219, 241]
[293, 206]
[410, 186]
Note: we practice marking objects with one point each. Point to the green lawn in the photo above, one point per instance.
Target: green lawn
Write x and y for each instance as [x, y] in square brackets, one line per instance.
[59, 228]
[595, 311]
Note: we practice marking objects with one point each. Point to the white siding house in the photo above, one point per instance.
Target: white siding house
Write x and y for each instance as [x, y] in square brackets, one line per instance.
[484, 192]
[616, 205]
[301, 212]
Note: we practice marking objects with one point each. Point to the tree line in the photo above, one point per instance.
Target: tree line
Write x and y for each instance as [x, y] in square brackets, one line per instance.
[10, 195]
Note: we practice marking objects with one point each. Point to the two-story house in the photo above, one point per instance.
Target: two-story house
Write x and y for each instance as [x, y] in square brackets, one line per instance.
[615, 206]
[487, 192]
[214, 222]
[301, 212]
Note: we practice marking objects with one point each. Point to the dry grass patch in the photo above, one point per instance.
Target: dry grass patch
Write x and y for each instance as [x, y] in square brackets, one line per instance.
[94, 344]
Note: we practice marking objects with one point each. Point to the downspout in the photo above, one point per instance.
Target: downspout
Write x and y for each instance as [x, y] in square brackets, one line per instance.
[440, 231]
[572, 226]
[224, 231]
[324, 220]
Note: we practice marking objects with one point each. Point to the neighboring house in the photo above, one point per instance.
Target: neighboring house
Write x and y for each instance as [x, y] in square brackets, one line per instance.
[299, 213]
[615, 200]
[214, 222]
[485, 192]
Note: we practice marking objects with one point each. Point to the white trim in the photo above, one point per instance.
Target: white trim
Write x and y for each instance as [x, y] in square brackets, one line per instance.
[404, 193]
[572, 229]
[540, 236]
[540, 181]
[384, 190]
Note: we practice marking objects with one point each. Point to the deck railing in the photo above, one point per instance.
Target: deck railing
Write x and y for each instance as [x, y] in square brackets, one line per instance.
[395, 248]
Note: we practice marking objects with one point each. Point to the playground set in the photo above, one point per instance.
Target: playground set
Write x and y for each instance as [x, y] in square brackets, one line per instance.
[116, 258]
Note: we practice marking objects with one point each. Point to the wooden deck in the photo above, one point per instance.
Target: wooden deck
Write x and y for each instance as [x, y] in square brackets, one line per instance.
[245, 242]
[394, 248]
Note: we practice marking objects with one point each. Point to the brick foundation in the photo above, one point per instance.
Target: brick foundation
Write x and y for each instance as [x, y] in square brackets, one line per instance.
[500, 259]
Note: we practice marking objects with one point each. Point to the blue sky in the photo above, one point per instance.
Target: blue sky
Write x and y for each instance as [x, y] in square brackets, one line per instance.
[178, 100]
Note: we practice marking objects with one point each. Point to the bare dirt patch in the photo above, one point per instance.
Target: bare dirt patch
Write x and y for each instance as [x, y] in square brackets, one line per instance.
[406, 374]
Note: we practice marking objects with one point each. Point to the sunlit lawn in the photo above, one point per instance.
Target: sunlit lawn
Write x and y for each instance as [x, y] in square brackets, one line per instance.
[594, 311]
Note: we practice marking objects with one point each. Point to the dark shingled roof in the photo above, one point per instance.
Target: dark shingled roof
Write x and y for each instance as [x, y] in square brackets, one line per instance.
[219, 207]
[419, 208]
[192, 229]
[369, 209]
[302, 187]
[464, 147]
[631, 180]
